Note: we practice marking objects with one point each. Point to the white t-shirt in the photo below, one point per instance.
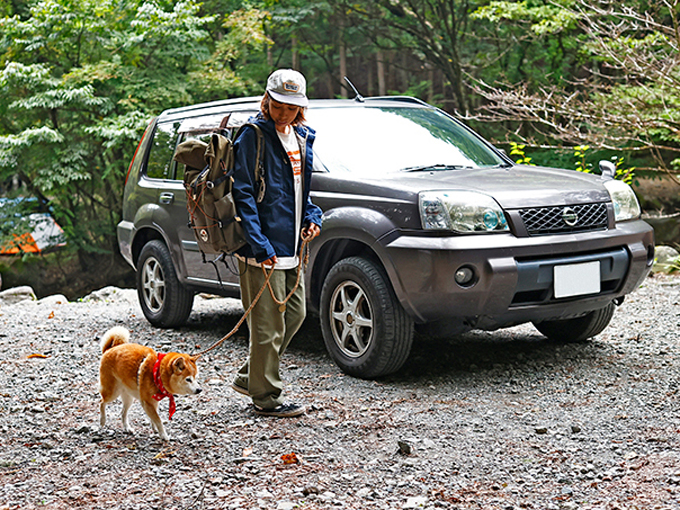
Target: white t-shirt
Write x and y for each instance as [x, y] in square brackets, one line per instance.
[292, 148]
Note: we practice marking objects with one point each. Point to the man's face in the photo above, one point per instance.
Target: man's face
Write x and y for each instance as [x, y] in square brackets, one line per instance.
[282, 114]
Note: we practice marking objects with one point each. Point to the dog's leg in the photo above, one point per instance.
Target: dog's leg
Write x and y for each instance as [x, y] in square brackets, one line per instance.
[151, 409]
[109, 392]
[127, 402]
[102, 413]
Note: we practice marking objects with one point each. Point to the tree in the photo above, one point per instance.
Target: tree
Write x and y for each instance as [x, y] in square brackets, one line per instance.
[80, 81]
[625, 94]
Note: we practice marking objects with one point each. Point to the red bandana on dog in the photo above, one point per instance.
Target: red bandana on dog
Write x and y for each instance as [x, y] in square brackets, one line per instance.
[162, 393]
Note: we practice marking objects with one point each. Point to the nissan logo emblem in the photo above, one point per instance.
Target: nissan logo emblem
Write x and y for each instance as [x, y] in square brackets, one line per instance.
[569, 216]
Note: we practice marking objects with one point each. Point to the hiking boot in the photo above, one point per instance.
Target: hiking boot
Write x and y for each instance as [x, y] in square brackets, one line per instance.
[285, 410]
[240, 389]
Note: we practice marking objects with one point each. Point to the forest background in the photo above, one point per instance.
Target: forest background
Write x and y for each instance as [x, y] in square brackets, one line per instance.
[562, 83]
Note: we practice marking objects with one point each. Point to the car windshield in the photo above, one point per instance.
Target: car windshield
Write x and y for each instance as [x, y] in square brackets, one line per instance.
[371, 141]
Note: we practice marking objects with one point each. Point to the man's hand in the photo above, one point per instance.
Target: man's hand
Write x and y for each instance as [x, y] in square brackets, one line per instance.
[270, 262]
[311, 231]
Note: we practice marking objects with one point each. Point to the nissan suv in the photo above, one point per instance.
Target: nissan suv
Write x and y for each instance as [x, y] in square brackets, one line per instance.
[425, 224]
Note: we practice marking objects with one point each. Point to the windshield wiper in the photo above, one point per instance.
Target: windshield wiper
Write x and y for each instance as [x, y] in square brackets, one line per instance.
[438, 166]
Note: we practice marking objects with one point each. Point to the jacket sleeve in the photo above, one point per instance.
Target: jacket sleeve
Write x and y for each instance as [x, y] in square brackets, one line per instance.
[245, 149]
[312, 213]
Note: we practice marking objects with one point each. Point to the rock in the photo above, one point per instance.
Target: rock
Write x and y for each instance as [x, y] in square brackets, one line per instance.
[83, 428]
[285, 505]
[104, 294]
[666, 259]
[55, 299]
[541, 430]
[666, 227]
[416, 502]
[404, 448]
[311, 489]
[17, 295]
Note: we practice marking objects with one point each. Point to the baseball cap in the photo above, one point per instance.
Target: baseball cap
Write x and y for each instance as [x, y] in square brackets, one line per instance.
[287, 86]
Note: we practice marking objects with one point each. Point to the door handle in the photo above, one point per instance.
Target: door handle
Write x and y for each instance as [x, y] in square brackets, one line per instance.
[167, 198]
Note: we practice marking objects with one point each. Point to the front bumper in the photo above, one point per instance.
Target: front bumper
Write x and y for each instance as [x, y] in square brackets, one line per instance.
[514, 275]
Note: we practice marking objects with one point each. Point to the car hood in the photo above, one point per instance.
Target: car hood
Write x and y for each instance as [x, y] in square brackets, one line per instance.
[513, 187]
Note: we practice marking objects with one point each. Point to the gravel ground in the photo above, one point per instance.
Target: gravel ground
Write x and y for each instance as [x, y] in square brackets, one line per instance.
[501, 420]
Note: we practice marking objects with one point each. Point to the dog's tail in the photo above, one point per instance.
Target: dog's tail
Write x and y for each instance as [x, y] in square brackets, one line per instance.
[114, 336]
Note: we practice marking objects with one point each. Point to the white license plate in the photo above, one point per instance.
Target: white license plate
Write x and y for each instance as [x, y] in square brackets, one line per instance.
[577, 279]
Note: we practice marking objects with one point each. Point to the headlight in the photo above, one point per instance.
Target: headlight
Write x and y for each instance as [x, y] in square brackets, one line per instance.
[626, 205]
[462, 211]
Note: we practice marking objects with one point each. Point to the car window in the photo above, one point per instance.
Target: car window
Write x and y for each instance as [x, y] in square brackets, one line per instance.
[372, 141]
[159, 164]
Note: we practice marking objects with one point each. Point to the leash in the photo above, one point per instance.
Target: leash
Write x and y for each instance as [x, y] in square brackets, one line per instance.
[302, 265]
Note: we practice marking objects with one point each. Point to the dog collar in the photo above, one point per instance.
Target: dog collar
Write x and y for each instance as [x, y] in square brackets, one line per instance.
[162, 392]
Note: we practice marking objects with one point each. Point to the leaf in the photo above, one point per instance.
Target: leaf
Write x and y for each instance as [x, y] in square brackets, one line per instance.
[290, 458]
[37, 355]
[51, 315]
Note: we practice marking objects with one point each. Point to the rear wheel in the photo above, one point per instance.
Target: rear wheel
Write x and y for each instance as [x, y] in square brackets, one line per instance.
[166, 303]
[578, 329]
[366, 330]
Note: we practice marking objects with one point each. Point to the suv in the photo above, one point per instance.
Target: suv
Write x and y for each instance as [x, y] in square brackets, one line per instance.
[424, 223]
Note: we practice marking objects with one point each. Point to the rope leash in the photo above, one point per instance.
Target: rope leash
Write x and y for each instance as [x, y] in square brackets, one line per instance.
[304, 258]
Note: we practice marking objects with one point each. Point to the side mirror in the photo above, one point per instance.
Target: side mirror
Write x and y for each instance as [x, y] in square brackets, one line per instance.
[607, 169]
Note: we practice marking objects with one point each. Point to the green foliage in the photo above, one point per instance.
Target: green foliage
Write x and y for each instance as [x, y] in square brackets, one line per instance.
[517, 149]
[80, 82]
[582, 160]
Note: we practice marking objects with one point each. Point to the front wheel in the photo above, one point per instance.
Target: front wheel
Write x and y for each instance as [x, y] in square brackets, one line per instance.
[166, 303]
[366, 330]
[578, 329]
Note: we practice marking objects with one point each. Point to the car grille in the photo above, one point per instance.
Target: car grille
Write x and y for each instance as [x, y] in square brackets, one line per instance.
[551, 220]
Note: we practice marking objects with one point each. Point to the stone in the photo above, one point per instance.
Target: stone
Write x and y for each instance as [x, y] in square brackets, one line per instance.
[17, 295]
[404, 448]
[666, 259]
[415, 502]
[55, 299]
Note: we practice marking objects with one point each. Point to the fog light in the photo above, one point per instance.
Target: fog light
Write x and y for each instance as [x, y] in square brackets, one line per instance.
[464, 275]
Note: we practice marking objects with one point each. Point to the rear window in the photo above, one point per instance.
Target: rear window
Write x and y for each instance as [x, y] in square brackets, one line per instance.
[159, 165]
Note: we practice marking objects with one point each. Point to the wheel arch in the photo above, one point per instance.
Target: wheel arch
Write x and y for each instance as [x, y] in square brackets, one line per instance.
[143, 236]
[326, 256]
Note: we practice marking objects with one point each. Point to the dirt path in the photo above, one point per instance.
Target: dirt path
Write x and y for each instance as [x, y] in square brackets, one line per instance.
[502, 420]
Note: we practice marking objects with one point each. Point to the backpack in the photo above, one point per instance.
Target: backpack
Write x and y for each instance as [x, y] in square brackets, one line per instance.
[208, 181]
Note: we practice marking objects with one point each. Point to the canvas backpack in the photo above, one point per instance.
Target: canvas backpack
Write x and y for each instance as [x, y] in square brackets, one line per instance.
[208, 181]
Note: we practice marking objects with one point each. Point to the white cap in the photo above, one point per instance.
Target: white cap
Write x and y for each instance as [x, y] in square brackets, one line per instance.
[287, 86]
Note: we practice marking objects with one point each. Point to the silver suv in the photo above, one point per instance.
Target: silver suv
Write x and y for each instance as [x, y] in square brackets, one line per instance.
[425, 224]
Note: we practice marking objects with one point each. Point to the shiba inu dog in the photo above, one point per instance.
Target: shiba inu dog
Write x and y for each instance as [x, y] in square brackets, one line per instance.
[133, 371]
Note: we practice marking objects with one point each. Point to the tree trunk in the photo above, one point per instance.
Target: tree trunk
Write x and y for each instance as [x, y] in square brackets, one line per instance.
[382, 89]
[343, 58]
[295, 57]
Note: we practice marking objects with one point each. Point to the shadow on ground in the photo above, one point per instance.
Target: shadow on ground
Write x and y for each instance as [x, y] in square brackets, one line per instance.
[477, 351]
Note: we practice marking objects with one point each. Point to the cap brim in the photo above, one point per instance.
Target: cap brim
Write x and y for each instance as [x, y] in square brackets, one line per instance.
[283, 98]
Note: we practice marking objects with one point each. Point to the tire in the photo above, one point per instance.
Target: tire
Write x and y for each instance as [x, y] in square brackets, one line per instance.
[366, 330]
[166, 303]
[578, 329]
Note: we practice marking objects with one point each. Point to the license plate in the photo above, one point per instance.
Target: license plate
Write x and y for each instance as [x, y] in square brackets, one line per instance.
[577, 279]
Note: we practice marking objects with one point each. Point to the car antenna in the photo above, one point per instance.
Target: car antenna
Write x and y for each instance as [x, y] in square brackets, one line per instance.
[358, 96]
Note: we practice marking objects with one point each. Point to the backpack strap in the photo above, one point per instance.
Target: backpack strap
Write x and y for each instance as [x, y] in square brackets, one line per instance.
[259, 162]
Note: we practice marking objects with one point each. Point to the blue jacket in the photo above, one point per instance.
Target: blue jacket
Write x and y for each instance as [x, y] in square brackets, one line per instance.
[270, 225]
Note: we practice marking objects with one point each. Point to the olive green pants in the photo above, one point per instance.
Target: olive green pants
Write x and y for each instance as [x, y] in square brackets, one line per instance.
[271, 331]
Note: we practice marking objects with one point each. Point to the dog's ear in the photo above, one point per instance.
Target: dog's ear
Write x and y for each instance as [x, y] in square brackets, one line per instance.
[179, 365]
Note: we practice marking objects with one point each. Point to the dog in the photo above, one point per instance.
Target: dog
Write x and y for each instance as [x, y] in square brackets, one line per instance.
[134, 371]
